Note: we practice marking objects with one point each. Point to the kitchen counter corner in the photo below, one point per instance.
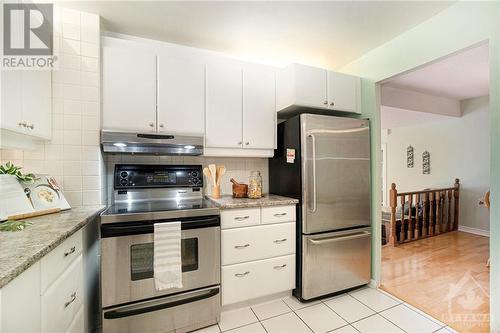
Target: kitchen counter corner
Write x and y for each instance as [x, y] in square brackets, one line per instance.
[21, 249]
[228, 202]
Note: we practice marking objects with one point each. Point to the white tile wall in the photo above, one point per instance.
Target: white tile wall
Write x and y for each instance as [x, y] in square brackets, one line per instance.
[237, 168]
[73, 155]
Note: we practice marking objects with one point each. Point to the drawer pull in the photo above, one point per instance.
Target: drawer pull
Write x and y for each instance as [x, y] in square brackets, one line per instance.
[241, 246]
[73, 298]
[241, 218]
[280, 266]
[280, 214]
[240, 275]
[72, 250]
[279, 241]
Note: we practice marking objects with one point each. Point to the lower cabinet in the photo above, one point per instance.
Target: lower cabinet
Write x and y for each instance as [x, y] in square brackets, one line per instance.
[258, 252]
[255, 279]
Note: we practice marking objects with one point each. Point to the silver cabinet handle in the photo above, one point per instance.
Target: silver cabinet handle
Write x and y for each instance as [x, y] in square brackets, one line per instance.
[72, 299]
[240, 275]
[161, 125]
[151, 124]
[23, 124]
[280, 266]
[240, 143]
[313, 159]
[279, 241]
[32, 126]
[325, 102]
[241, 218]
[72, 250]
[332, 104]
[241, 246]
[247, 143]
[280, 214]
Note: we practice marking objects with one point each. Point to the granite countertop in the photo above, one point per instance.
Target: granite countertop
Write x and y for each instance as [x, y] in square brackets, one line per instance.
[20, 249]
[227, 201]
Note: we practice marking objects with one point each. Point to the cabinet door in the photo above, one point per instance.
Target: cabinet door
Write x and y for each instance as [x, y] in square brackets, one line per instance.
[310, 86]
[223, 107]
[259, 108]
[343, 92]
[11, 112]
[181, 96]
[37, 103]
[129, 89]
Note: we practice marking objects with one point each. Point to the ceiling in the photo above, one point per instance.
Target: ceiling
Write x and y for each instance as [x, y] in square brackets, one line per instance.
[328, 34]
[460, 76]
[394, 117]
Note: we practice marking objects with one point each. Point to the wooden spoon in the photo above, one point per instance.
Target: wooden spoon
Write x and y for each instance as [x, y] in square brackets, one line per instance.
[206, 172]
[213, 171]
[221, 170]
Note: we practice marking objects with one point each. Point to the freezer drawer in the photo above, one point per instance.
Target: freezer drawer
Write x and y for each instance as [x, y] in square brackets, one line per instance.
[335, 261]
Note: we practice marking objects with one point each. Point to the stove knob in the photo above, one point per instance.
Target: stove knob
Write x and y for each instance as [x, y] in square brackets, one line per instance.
[194, 174]
[123, 182]
[123, 174]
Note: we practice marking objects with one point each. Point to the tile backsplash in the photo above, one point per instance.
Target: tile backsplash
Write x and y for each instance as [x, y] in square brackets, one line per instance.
[73, 156]
[237, 168]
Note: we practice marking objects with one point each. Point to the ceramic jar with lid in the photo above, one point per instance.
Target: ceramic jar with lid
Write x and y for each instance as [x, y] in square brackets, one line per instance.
[255, 185]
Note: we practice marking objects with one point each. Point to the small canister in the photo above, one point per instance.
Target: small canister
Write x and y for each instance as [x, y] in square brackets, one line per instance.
[255, 185]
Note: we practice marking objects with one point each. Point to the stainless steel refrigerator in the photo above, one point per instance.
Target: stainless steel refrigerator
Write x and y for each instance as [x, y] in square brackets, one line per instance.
[324, 161]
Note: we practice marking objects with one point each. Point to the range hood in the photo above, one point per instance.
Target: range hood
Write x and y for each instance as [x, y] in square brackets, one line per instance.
[151, 143]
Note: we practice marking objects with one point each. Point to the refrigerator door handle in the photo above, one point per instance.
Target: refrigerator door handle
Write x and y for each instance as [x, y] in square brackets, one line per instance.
[340, 238]
[313, 160]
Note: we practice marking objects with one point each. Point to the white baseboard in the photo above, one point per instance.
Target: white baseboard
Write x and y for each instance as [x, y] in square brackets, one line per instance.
[374, 283]
[474, 231]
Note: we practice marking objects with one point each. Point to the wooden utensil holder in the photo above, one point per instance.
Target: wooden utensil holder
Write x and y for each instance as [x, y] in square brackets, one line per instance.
[216, 192]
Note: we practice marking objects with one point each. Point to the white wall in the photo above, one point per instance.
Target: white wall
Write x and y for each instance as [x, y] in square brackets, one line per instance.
[73, 155]
[459, 148]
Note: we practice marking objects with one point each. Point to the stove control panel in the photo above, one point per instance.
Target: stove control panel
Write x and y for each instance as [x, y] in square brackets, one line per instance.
[157, 176]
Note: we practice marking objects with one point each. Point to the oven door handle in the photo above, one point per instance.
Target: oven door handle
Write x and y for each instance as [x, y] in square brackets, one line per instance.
[160, 304]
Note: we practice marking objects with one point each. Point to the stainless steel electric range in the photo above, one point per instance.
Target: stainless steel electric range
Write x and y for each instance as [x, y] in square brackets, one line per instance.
[144, 195]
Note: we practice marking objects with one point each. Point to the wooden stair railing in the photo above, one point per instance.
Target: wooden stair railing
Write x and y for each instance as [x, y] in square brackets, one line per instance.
[423, 214]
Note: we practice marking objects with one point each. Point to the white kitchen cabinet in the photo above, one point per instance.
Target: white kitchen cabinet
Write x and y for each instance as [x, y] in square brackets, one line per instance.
[128, 88]
[20, 299]
[257, 252]
[224, 107]
[259, 105]
[181, 96]
[27, 103]
[299, 86]
[344, 92]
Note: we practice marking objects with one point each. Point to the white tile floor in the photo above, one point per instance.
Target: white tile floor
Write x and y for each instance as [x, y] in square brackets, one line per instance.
[365, 310]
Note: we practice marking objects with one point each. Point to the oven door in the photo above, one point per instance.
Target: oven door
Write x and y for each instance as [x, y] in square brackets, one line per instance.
[127, 259]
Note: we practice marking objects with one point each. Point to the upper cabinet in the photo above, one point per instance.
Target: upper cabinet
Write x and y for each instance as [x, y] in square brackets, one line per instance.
[129, 89]
[240, 111]
[305, 86]
[145, 91]
[181, 96]
[26, 105]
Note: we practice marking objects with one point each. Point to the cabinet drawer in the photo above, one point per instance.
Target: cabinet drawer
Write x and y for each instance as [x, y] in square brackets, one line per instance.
[63, 299]
[278, 214]
[235, 218]
[56, 261]
[254, 279]
[258, 242]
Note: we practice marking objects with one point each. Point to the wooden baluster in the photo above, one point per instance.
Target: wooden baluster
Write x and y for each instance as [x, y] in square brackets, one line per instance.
[393, 202]
[431, 214]
[450, 221]
[418, 221]
[411, 221]
[425, 215]
[456, 194]
[439, 210]
[402, 230]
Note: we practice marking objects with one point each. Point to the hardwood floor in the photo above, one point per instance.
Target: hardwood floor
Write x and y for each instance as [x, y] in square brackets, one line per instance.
[445, 276]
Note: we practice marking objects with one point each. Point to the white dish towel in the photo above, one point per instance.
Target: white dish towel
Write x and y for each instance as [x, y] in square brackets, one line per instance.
[167, 255]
